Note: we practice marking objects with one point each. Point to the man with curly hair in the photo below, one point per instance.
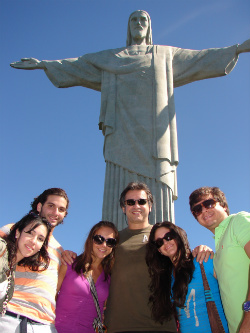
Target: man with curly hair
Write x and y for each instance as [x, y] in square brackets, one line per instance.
[232, 258]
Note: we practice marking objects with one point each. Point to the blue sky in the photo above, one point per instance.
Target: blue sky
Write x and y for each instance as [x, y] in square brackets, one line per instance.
[49, 137]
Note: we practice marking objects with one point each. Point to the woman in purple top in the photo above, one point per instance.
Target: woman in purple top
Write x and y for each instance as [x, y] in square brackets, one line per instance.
[75, 307]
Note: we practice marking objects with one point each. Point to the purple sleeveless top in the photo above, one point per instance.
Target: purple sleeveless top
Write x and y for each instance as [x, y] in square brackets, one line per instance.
[75, 308]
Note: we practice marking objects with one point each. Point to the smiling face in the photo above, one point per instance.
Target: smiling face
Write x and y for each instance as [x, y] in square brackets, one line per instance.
[138, 25]
[100, 251]
[210, 218]
[169, 248]
[29, 241]
[137, 215]
[54, 209]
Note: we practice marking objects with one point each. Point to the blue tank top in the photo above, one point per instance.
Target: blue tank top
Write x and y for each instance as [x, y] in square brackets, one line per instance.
[194, 317]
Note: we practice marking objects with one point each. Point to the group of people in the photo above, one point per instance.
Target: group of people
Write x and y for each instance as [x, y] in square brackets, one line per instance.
[145, 278]
[142, 279]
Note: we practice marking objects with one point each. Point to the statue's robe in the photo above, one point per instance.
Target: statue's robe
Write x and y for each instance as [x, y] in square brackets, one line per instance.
[137, 114]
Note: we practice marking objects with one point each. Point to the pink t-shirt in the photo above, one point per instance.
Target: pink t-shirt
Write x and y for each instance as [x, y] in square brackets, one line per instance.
[75, 308]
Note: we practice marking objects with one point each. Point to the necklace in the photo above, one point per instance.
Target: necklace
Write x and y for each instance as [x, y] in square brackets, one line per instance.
[7, 291]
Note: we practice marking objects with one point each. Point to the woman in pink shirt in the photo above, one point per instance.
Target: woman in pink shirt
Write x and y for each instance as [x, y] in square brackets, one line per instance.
[75, 307]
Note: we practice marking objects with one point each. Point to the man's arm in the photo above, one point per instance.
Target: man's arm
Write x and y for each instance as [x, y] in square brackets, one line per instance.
[202, 253]
[245, 325]
[67, 257]
[5, 230]
[28, 63]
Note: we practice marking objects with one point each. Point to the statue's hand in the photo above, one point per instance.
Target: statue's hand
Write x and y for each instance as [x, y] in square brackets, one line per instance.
[244, 47]
[27, 63]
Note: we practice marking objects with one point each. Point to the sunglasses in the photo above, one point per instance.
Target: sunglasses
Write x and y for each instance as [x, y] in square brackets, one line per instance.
[210, 203]
[159, 241]
[99, 239]
[132, 202]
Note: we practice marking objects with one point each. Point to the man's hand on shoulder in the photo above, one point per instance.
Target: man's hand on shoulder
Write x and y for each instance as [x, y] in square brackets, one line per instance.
[202, 253]
[68, 257]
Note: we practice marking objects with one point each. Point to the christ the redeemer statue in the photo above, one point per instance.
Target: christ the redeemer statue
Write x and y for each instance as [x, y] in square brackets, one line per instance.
[137, 114]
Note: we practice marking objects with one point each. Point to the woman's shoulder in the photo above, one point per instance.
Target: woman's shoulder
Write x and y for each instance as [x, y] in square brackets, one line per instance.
[208, 266]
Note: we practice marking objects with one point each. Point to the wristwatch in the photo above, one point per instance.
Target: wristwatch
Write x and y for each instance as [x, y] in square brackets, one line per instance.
[246, 306]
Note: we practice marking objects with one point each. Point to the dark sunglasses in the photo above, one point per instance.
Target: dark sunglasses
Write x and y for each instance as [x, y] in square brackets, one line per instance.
[210, 203]
[99, 239]
[159, 241]
[132, 202]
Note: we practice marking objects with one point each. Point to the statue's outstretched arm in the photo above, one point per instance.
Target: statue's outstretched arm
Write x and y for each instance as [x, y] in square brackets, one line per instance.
[28, 63]
[244, 47]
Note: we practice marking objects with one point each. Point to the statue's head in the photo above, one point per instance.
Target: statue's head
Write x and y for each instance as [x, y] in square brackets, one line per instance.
[139, 28]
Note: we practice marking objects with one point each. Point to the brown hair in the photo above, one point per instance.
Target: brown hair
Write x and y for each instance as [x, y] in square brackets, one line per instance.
[42, 198]
[205, 191]
[83, 262]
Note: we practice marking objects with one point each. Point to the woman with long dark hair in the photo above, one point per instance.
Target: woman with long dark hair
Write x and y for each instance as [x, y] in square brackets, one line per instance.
[177, 286]
[26, 245]
[75, 307]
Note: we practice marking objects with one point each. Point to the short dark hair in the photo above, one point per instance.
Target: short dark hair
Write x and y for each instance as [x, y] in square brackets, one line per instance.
[205, 191]
[136, 186]
[42, 198]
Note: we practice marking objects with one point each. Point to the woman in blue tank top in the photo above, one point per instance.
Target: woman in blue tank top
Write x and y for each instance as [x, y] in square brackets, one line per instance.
[177, 286]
